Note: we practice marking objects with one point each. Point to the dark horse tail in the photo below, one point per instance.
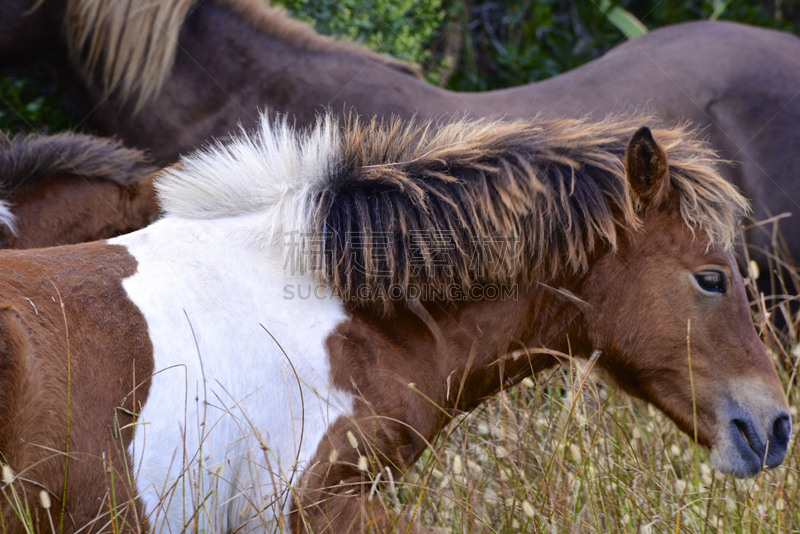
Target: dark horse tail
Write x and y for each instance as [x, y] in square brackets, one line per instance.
[28, 158]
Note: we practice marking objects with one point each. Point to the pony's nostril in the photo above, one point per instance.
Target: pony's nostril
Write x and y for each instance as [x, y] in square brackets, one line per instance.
[781, 429]
[741, 426]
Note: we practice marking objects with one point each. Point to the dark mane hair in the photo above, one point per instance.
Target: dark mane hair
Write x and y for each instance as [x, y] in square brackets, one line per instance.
[388, 203]
[28, 158]
[495, 201]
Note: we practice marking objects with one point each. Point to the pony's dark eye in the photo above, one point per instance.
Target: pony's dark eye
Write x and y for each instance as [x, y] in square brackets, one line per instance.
[712, 281]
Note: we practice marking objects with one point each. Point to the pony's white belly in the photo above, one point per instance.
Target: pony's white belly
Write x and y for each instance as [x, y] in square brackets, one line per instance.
[231, 416]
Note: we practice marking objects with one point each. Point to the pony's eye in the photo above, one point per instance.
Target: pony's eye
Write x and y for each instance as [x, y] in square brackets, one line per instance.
[712, 281]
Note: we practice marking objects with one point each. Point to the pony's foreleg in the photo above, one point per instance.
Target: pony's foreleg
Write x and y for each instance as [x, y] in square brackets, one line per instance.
[347, 508]
[339, 492]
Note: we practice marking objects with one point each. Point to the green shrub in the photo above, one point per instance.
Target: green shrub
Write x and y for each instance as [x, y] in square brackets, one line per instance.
[508, 42]
[400, 28]
[29, 105]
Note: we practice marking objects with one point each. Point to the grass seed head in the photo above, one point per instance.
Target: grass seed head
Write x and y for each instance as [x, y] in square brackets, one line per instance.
[352, 439]
[8, 475]
[527, 509]
[44, 499]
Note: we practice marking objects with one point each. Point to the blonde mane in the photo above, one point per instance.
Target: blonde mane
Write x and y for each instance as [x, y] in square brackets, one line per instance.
[360, 195]
[134, 42]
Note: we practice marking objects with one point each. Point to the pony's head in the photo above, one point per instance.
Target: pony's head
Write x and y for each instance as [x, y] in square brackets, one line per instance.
[669, 311]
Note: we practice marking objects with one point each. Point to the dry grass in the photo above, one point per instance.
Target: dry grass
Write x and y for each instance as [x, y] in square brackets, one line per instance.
[554, 457]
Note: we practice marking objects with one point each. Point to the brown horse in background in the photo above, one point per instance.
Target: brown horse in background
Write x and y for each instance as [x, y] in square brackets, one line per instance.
[70, 188]
[194, 70]
[191, 386]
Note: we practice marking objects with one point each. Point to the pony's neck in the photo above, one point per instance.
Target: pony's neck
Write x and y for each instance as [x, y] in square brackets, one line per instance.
[426, 362]
[492, 345]
[457, 356]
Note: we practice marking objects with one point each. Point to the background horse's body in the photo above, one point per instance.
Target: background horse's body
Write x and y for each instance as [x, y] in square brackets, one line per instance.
[64, 189]
[744, 101]
[217, 382]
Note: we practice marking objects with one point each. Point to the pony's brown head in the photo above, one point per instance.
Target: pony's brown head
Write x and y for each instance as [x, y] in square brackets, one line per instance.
[668, 310]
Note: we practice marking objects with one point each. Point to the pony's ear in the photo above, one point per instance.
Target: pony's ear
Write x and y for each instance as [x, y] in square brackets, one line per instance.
[646, 166]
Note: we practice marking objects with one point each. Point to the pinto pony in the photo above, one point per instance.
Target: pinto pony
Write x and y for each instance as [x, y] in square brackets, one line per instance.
[70, 188]
[178, 370]
[149, 71]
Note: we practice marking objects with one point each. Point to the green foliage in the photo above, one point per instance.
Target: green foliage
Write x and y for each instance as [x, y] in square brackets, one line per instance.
[509, 43]
[624, 20]
[400, 28]
[781, 15]
[28, 105]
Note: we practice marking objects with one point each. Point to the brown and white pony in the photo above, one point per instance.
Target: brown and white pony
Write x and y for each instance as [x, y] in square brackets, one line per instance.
[314, 306]
[70, 188]
[195, 70]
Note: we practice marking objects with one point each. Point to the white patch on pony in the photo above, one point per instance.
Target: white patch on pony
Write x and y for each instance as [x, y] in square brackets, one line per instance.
[230, 417]
[8, 219]
[273, 171]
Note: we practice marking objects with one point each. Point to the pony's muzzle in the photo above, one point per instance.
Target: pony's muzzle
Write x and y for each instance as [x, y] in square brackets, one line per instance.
[745, 445]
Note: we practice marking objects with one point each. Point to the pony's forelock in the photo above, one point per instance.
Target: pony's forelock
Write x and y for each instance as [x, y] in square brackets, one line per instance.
[708, 202]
